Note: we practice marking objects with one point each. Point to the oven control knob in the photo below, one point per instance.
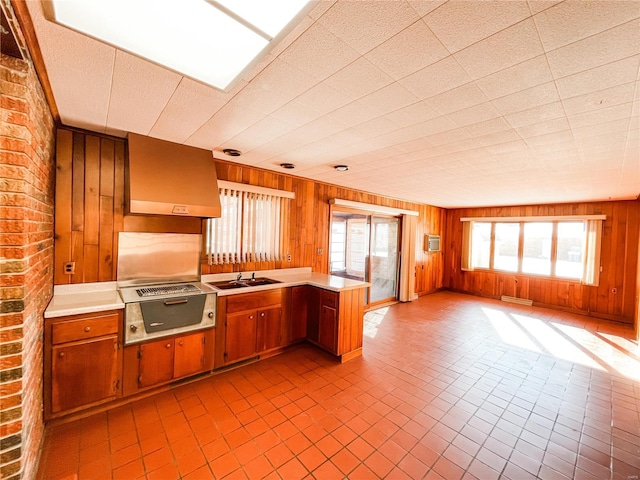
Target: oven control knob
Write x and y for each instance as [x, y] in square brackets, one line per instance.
[133, 328]
[210, 314]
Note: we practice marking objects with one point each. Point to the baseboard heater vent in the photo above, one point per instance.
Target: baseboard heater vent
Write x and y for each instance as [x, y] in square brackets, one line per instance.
[520, 301]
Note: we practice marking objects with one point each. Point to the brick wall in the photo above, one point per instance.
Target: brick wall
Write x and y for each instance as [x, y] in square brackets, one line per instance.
[27, 173]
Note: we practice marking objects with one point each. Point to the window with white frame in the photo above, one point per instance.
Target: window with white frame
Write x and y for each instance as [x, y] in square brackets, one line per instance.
[565, 247]
[252, 226]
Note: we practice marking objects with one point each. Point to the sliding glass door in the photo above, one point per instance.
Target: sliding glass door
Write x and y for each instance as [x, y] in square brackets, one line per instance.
[365, 247]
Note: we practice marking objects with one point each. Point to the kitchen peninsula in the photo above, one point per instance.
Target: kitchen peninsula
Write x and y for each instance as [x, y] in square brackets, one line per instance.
[84, 324]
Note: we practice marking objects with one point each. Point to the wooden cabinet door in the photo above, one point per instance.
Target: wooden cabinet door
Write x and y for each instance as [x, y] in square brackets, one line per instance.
[189, 355]
[313, 313]
[328, 328]
[299, 311]
[269, 331]
[240, 336]
[83, 373]
[156, 362]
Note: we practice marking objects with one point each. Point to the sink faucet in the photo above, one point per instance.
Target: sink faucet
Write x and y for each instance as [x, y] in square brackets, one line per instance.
[239, 277]
[253, 276]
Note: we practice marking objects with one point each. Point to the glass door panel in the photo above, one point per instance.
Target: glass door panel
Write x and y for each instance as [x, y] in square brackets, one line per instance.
[384, 259]
[365, 247]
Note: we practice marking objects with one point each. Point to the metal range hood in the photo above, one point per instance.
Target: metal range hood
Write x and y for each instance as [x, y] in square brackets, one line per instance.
[165, 178]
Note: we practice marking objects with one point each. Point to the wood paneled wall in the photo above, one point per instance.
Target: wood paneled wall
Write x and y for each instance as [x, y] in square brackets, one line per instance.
[90, 213]
[619, 260]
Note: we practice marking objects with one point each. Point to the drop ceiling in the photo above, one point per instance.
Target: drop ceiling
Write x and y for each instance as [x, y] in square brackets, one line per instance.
[458, 103]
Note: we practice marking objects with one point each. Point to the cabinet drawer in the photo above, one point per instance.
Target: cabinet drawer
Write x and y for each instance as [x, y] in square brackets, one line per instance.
[330, 299]
[83, 328]
[252, 301]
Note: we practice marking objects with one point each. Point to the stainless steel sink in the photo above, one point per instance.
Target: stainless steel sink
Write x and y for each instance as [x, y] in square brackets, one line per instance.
[249, 282]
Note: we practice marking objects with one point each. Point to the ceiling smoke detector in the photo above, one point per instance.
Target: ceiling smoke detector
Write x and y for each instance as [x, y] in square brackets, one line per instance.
[232, 152]
[341, 168]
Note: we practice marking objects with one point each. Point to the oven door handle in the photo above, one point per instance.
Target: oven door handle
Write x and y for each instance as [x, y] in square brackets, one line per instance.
[176, 302]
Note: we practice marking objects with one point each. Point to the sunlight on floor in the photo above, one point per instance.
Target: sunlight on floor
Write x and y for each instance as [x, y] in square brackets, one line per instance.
[372, 320]
[575, 344]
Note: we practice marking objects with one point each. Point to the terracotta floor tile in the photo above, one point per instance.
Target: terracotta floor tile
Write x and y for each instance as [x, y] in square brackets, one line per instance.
[468, 403]
[224, 465]
[292, 470]
[259, 467]
[168, 471]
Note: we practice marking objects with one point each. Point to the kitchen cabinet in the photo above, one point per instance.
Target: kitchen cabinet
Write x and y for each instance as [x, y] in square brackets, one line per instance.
[328, 321]
[335, 320]
[170, 358]
[269, 329]
[304, 300]
[251, 324]
[83, 361]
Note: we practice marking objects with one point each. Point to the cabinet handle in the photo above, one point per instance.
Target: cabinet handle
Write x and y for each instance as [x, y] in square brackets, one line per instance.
[181, 343]
[87, 329]
[251, 317]
[262, 314]
[168, 345]
[61, 354]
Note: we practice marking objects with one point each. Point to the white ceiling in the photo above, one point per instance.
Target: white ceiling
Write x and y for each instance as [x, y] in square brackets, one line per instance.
[458, 103]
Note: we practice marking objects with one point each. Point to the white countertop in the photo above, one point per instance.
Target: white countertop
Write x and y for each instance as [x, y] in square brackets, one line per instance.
[83, 298]
[289, 277]
[98, 297]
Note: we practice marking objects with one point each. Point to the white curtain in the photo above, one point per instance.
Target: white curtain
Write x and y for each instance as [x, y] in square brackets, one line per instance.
[466, 255]
[592, 241]
[408, 258]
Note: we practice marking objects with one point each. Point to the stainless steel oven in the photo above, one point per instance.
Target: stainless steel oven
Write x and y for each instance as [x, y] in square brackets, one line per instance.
[158, 280]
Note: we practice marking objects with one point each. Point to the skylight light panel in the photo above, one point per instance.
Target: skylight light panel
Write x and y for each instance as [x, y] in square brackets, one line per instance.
[197, 38]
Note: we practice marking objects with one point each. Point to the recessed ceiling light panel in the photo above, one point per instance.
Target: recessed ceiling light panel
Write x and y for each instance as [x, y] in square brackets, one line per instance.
[208, 41]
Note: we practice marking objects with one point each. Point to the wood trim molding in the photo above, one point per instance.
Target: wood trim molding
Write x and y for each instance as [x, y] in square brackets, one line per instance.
[28, 31]
[550, 218]
[369, 207]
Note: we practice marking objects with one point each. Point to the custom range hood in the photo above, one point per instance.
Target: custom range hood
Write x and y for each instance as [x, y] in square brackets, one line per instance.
[165, 178]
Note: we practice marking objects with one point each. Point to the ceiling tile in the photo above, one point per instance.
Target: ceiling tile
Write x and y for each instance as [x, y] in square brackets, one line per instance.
[509, 47]
[423, 7]
[547, 112]
[81, 87]
[537, 6]
[285, 79]
[411, 114]
[460, 24]
[365, 24]
[575, 20]
[606, 47]
[412, 49]
[475, 114]
[295, 113]
[487, 127]
[323, 99]
[143, 84]
[600, 99]
[368, 78]
[599, 78]
[459, 98]
[602, 115]
[544, 128]
[527, 99]
[440, 77]
[388, 99]
[516, 78]
[319, 53]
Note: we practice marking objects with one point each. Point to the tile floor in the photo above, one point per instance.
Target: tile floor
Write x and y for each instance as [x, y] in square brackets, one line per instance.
[450, 386]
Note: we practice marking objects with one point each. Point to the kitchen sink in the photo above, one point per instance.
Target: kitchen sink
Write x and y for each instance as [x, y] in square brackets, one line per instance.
[249, 282]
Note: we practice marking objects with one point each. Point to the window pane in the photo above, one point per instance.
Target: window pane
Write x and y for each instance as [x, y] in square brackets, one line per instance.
[537, 248]
[570, 249]
[481, 246]
[505, 256]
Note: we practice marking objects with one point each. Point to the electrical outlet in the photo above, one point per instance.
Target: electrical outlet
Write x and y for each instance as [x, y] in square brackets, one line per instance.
[319, 251]
[288, 257]
[70, 268]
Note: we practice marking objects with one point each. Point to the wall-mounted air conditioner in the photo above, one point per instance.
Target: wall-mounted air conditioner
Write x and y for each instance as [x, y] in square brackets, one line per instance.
[431, 243]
